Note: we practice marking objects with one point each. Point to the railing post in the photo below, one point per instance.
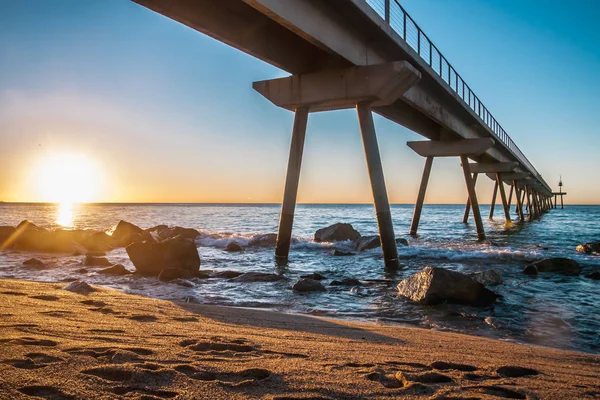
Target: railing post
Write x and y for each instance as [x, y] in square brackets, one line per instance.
[387, 11]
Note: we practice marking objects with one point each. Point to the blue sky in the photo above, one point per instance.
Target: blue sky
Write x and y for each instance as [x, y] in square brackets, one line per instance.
[169, 114]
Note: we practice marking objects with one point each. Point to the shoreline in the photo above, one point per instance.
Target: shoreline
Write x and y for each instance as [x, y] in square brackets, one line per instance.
[109, 344]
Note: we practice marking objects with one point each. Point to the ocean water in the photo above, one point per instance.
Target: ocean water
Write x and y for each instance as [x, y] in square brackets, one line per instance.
[549, 310]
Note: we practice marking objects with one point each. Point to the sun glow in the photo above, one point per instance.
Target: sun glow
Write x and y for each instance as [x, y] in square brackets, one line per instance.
[67, 179]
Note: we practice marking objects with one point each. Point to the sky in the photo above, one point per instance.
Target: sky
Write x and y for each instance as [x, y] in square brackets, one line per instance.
[148, 110]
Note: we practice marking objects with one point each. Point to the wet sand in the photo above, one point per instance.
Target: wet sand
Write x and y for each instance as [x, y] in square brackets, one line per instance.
[107, 344]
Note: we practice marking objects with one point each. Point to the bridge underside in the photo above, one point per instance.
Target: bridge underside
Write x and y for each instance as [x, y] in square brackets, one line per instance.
[312, 38]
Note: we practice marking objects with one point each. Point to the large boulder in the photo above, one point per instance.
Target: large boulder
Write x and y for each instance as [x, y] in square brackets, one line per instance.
[434, 285]
[308, 285]
[97, 241]
[263, 240]
[487, 278]
[30, 237]
[595, 275]
[165, 232]
[127, 233]
[336, 233]
[92, 261]
[116, 269]
[589, 248]
[6, 233]
[233, 247]
[150, 258]
[367, 242]
[558, 265]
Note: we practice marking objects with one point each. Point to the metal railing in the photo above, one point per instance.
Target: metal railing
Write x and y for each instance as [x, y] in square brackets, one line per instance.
[398, 19]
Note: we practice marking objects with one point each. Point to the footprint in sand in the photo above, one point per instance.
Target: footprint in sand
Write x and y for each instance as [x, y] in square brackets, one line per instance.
[128, 372]
[106, 330]
[500, 391]
[511, 371]
[143, 318]
[45, 298]
[185, 319]
[57, 313]
[12, 293]
[217, 346]
[163, 394]
[445, 366]
[33, 361]
[46, 392]
[28, 341]
[94, 303]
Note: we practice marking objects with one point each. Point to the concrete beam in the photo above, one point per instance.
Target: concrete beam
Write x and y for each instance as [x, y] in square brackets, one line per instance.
[511, 176]
[454, 148]
[481, 168]
[379, 85]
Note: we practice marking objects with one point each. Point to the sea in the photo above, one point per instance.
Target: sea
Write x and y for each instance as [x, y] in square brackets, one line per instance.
[549, 310]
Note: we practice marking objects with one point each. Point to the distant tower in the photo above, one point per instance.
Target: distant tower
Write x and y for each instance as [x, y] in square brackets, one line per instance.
[560, 192]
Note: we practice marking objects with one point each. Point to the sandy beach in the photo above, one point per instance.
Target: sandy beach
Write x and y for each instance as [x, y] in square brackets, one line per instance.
[107, 344]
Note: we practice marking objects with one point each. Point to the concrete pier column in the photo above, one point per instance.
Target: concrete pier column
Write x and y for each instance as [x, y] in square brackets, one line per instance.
[493, 203]
[529, 207]
[555, 201]
[510, 195]
[468, 205]
[503, 197]
[421, 197]
[472, 196]
[561, 202]
[519, 204]
[286, 220]
[382, 206]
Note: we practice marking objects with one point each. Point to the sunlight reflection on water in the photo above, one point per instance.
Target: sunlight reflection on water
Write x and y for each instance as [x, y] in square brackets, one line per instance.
[65, 215]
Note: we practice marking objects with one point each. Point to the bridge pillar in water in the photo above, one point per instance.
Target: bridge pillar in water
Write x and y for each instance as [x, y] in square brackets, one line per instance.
[503, 197]
[359, 87]
[421, 197]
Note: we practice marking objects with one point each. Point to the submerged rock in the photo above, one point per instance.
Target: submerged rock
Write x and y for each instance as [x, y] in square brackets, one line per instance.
[341, 253]
[315, 275]
[233, 247]
[558, 265]
[226, 274]
[434, 285]
[116, 269]
[308, 285]
[402, 241]
[92, 261]
[80, 287]
[367, 242]
[487, 278]
[336, 233]
[168, 274]
[346, 282]
[594, 275]
[589, 248]
[264, 240]
[33, 262]
[257, 277]
[150, 258]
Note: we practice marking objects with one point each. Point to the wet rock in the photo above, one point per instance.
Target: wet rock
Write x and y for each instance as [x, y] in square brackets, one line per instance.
[402, 241]
[336, 233]
[226, 274]
[257, 277]
[558, 265]
[95, 254]
[233, 247]
[530, 270]
[150, 258]
[169, 274]
[92, 261]
[80, 287]
[164, 232]
[487, 278]
[434, 285]
[367, 242]
[82, 271]
[595, 275]
[264, 240]
[33, 262]
[308, 285]
[6, 232]
[97, 242]
[116, 269]
[315, 275]
[341, 253]
[184, 283]
[346, 282]
[589, 248]
[30, 237]
[127, 233]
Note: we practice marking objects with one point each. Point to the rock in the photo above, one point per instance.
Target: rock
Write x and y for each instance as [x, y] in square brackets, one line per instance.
[308, 285]
[559, 265]
[530, 270]
[157, 228]
[402, 241]
[34, 262]
[167, 233]
[150, 258]
[315, 275]
[98, 242]
[95, 254]
[233, 247]
[257, 277]
[336, 233]
[29, 237]
[487, 278]
[6, 232]
[589, 248]
[127, 233]
[264, 240]
[341, 253]
[226, 274]
[80, 287]
[82, 271]
[595, 275]
[346, 282]
[116, 269]
[367, 242]
[434, 285]
[184, 283]
[168, 274]
[92, 261]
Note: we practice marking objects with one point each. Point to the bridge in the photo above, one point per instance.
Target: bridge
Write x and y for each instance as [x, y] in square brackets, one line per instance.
[372, 56]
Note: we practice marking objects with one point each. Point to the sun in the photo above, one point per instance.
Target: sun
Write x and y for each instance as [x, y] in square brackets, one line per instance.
[67, 178]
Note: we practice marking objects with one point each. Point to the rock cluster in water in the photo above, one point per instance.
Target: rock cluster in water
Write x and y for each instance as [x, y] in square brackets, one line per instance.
[589, 248]
[559, 265]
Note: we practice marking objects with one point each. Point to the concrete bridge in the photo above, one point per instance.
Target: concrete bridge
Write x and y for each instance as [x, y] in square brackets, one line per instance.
[372, 56]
